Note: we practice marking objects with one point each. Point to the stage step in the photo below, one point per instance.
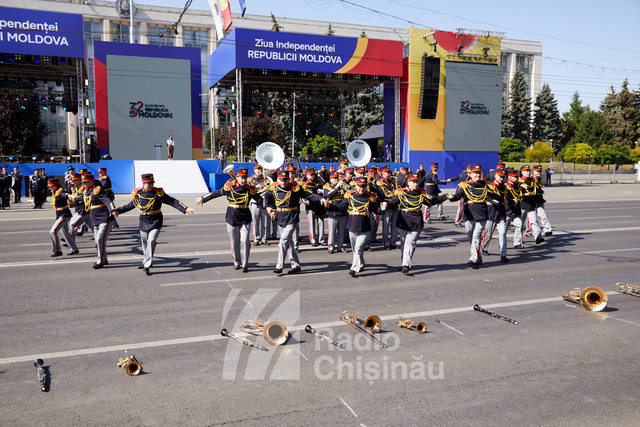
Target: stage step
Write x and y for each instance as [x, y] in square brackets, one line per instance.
[175, 177]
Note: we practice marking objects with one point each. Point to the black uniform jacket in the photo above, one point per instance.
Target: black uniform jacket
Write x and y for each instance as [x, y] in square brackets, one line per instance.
[528, 202]
[312, 187]
[498, 211]
[79, 205]
[60, 203]
[286, 202]
[149, 203]
[539, 191]
[238, 212]
[410, 203]
[105, 182]
[387, 190]
[475, 196]
[514, 196]
[358, 207]
[335, 194]
[431, 182]
[98, 204]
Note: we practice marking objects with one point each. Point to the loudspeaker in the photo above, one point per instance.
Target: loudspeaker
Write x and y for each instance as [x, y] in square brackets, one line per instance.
[70, 82]
[429, 87]
[247, 110]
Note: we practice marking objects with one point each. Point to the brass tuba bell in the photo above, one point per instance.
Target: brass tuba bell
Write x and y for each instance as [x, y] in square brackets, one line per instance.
[359, 152]
[592, 298]
[131, 366]
[275, 332]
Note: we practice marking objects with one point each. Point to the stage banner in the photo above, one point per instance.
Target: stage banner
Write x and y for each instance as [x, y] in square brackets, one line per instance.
[32, 32]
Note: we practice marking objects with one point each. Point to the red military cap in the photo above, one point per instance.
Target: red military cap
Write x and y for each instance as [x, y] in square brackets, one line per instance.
[385, 168]
[87, 177]
[147, 177]
[476, 168]
[242, 172]
[53, 181]
[525, 168]
[283, 175]
[360, 181]
[412, 178]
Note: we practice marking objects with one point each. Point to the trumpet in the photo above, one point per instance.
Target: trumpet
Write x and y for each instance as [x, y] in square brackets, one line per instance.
[627, 289]
[131, 366]
[42, 374]
[403, 322]
[592, 298]
[242, 340]
[373, 324]
[323, 337]
[275, 333]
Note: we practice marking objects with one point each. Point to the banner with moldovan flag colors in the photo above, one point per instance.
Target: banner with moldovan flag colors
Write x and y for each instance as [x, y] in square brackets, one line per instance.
[221, 10]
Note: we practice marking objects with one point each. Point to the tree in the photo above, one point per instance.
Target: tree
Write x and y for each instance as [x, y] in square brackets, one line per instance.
[625, 122]
[366, 109]
[258, 129]
[547, 125]
[275, 26]
[607, 106]
[592, 129]
[540, 152]
[571, 119]
[21, 129]
[322, 146]
[363, 35]
[579, 153]
[612, 154]
[330, 31]
[511, 150]
[518, 116]
[634, 155]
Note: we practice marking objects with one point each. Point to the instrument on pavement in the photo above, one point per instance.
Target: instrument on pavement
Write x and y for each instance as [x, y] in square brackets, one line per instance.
[42, 374]
[323, 337]
[358, 153]
[592, 298]
[627, 289]
[373, 324]
[275, 333]
[420, 328]
[131, 366]
[494, 314]
[242, 340]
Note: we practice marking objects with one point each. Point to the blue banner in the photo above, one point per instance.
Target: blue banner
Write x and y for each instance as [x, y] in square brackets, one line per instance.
[31, 32]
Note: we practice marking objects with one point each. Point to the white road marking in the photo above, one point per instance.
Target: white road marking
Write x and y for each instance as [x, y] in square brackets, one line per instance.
[602, 217]
[244, 279]
[348, 407]
[606, 251]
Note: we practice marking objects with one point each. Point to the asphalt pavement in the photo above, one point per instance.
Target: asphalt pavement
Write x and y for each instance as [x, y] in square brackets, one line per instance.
[560, 365]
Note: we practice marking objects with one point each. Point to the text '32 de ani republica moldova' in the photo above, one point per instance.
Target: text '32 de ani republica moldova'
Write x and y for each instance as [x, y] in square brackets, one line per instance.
[39, 39]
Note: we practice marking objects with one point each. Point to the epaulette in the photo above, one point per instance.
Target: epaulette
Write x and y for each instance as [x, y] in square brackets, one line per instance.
[349, 193]
[229, 184]
[295, 186]
[159, 191]
[58, 192]
[96, 190]
[135, 192]
[373, 198]
[400, 190]
[326, 187]
[464, 184]
[274, 185]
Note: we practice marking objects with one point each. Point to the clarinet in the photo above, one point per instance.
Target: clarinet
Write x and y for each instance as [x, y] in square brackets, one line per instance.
[494, 314]
[42, 375]
[310, 330]
[242, 340]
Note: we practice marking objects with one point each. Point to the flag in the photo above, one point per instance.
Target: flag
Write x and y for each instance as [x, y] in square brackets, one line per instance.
[221, 11]
[243, 7]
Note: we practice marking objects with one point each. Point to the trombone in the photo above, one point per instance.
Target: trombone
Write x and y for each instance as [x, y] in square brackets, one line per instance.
[627, 289]
[373, 324]
[403, 322]
[592, 298]
[275, 333]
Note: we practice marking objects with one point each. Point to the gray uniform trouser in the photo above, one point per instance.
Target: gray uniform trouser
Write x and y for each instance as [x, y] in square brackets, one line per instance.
[316, 228]
[489, 228]
[474, 233]
[286, 248]
[77, 220]
[240, 244]
[374, 226]
[517, 225]
[337, 226]
[101, 234]
[357, 243]
[149, 240]
[408, 241]
[258, 222]
[533, 222]
[459, 211]
[389, 228]
[544, 221]
[272, 228]
[440, 211]
[62, 225]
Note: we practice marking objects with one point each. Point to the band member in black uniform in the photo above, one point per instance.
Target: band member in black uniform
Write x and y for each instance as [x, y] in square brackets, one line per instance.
[497, 217]
[5, 188]
[68, 185]
[431, 184]
[148, 200]
[95, 199]
[464, 176]
[401, 177]
[38, 189]
[528, 203]
[492, 173]
[336, 220]
[272, 224]
[409, 201]
[541, 213]
[316, 223]
[81, 216]
[358, 203]
[60, 204]
[283, 203]
[16, 178]
[105, 183]
[514, 213]
[238, 217]
[259, 214]
[372, 177]
[476, 195]
[386, 190]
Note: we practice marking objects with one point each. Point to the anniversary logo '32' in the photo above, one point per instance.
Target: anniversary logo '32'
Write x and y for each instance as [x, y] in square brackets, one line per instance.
[149, 111]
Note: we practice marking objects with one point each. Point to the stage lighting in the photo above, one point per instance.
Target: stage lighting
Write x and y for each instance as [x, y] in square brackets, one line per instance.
[460, 47]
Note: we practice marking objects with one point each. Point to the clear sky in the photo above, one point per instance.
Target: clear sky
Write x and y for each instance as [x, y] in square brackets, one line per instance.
[587, 46]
